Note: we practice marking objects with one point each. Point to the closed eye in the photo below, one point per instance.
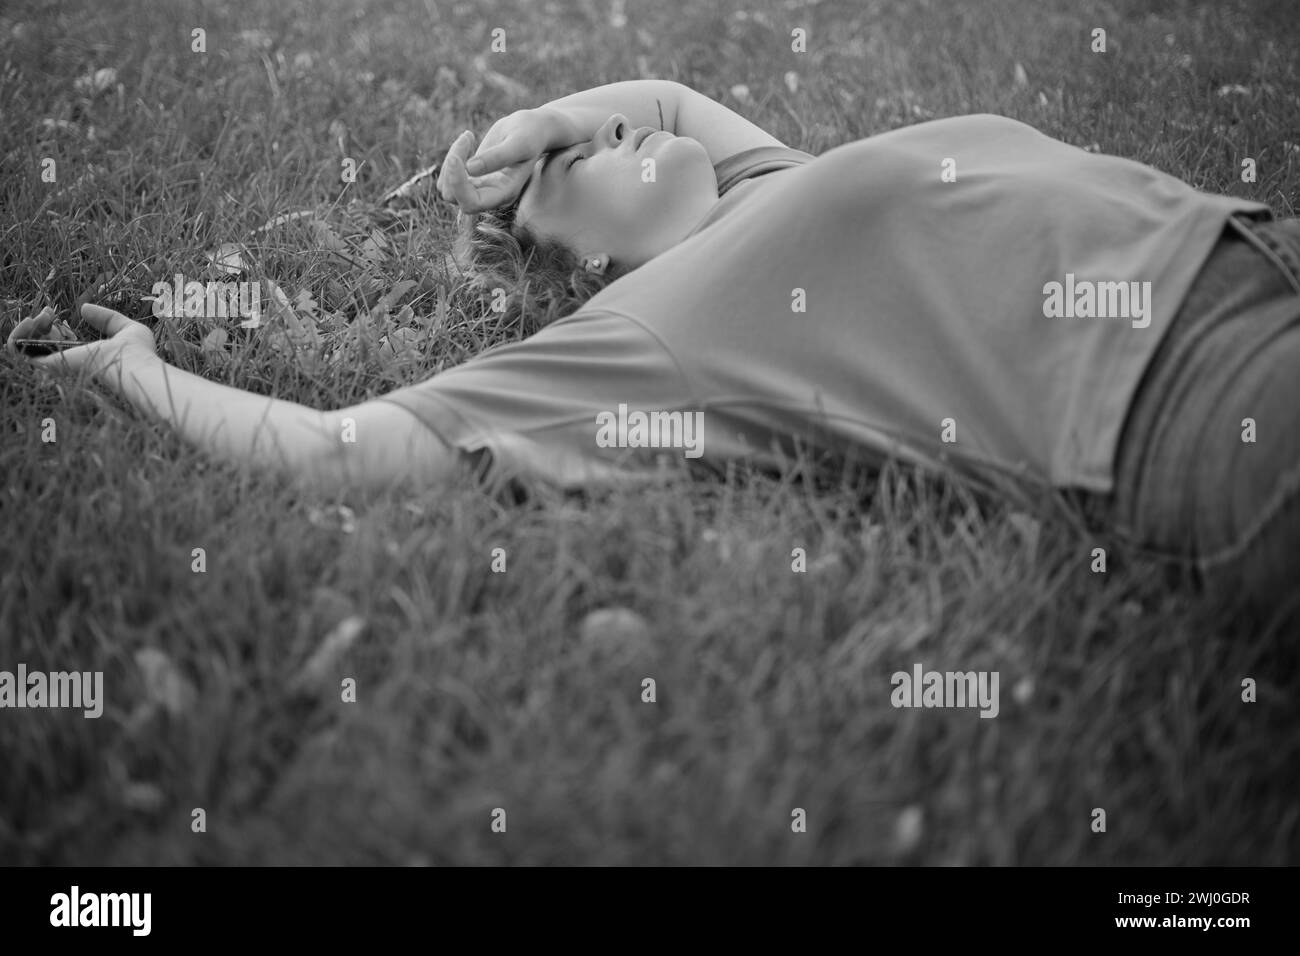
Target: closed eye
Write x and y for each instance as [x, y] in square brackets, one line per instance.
[572, 160]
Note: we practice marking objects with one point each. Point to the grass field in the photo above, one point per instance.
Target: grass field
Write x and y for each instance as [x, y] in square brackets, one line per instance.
[522, 690]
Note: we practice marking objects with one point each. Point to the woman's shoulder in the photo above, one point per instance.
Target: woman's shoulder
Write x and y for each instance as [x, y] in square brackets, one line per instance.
[919, 139]
[864, 163]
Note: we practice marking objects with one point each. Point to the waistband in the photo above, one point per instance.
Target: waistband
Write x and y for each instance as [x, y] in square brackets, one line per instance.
[1273, 239]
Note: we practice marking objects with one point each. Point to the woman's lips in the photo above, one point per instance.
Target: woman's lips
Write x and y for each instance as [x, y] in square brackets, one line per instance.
[643, 134]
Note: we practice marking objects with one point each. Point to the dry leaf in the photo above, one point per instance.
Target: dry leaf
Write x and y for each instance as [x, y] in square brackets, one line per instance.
[399, 341]
[228, 258]
[1028, 528]
[164, 685]
[502, 83]
[60, 124]
[214, 345]
[322, 663]
[393, 295]
[339, 134]
[142, 796]
[404, 190]
[283, 218]
[304, 303]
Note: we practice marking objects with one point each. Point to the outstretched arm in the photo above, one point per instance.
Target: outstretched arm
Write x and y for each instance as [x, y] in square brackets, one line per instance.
[502, 162]
[385, 445]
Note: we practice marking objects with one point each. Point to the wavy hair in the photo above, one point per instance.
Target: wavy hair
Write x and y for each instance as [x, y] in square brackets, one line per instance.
[531, 280]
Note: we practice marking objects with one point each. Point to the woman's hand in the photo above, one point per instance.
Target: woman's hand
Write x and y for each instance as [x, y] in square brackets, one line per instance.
[124, 338]
[505, 158]
[43, 327]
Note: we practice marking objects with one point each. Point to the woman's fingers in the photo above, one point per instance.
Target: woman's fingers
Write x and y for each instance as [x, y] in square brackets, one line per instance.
[68, 360]
[117, 328]
[509, 165]
[455, 185]
[513, 150]
[120, 336]
[476, 195]
[106, 321]
[460, 150]
[32, 327]
[46, 324]
[19, 331]
[459, 189]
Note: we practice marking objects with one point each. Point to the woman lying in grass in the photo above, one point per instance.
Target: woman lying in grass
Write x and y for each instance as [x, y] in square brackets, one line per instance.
[964, 293]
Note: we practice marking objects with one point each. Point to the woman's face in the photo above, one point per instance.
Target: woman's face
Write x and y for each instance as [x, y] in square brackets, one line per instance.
[629, 194]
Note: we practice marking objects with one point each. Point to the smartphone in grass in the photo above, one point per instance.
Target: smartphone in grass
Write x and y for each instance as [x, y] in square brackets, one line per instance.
[36, 347]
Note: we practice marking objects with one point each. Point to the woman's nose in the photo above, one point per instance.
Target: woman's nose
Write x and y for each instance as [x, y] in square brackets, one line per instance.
[612, 132]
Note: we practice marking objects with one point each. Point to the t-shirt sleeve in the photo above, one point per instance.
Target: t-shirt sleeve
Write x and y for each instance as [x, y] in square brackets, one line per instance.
[751, 163]
[536, 407]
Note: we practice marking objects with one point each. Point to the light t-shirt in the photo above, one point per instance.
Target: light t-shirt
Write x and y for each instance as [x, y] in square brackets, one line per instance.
[892, 297]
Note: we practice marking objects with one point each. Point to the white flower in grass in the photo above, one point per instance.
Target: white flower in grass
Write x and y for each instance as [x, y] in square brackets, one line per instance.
[1023, 692]
[335, 518]
[97, 81]
[909, 827]
[614, 625]
[258, 39]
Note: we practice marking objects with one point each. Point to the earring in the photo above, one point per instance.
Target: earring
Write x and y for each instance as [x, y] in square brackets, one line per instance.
[595, 264]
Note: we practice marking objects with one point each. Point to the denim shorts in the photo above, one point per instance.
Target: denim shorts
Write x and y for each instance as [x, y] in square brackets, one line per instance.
[1208, 467]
